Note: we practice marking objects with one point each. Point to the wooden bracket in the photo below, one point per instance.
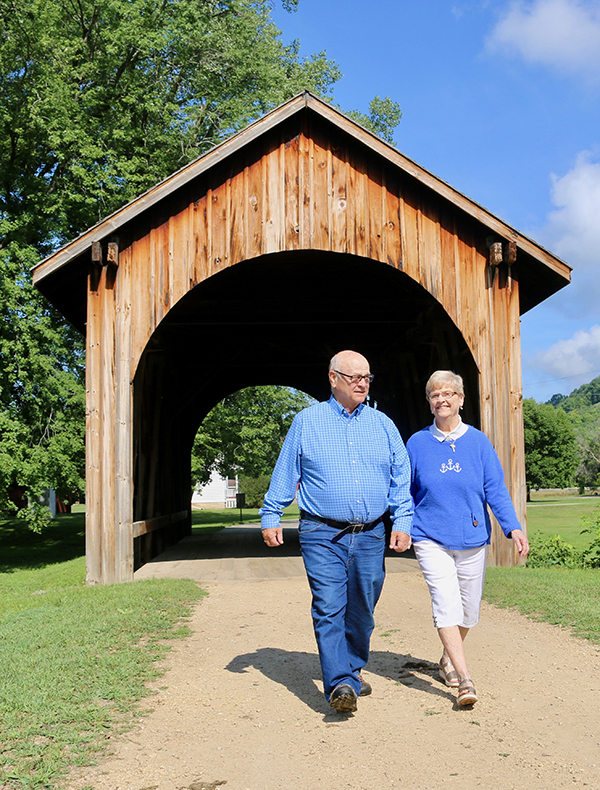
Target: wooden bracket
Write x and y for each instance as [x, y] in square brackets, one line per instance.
[495, 253]
[96, 266]
[112, 253]
[509, 252]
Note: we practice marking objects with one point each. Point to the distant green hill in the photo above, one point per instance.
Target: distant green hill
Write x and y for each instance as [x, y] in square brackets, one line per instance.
[586, 395]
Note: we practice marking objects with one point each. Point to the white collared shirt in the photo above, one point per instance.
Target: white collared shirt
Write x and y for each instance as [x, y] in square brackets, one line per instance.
[455, 433]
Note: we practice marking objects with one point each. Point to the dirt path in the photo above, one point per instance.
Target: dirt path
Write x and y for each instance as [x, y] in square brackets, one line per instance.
[241, 704]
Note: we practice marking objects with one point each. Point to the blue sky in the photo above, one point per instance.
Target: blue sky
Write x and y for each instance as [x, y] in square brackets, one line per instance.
[500, 99]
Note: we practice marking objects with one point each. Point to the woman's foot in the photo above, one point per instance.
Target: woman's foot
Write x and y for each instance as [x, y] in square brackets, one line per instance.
[447, 672]
[466, 693]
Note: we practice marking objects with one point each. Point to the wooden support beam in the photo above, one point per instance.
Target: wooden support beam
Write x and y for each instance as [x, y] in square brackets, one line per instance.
[149, 525]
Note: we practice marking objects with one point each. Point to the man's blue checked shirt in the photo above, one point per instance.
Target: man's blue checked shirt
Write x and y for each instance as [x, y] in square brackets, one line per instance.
[350, 467]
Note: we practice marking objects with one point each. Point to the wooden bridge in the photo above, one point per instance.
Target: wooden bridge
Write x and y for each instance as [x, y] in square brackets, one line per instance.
[299, 236]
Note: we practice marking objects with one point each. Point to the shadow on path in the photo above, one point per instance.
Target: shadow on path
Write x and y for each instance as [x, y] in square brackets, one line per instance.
[298, 672]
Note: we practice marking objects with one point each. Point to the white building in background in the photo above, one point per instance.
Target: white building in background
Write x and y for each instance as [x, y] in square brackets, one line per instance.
[218, 492]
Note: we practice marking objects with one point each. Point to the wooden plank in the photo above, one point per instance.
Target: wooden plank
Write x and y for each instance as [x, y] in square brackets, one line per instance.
[392, 232]
[146, 526]
[106, 384]
[339, 201]
[375, 209]
[123, 421]
[218, 227]
[93, 485]
[256, 209]
[448, 265]
[237, 201]
[320, 186]
[291, 192]
[304, 190]
[409, 232]
[430, 265]
[273, 190]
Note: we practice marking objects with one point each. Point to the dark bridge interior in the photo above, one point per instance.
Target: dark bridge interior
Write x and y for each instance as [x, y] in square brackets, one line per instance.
[279, 319]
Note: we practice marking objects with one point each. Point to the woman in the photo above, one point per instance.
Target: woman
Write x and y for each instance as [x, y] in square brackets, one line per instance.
[455, 474]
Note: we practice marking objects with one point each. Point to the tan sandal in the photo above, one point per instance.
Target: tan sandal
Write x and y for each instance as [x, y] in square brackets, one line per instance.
[447, 673]
[466, 693]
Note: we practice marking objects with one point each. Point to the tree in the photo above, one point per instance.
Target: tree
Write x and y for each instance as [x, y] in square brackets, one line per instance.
[550, 446]
[100, 100]
[244, 432]
[384, 115]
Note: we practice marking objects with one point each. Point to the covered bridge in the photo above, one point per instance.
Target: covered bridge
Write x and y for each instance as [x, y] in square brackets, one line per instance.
[301, 235]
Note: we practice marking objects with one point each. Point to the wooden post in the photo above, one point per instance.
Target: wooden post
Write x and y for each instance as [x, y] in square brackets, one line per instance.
[109, 543]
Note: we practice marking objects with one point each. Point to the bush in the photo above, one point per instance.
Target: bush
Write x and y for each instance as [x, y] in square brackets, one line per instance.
[591, 524]
[553, 552]
[255, 489]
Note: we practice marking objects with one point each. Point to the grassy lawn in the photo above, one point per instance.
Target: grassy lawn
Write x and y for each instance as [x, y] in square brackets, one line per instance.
[75, 660]
[565, 597]
[228, 517]
[561, 516]
[569, 598]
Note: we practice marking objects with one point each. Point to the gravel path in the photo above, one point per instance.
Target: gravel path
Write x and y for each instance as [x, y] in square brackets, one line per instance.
[241, 704]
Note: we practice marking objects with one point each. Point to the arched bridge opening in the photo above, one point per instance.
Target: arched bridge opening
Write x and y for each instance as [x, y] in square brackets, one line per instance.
[278, 319]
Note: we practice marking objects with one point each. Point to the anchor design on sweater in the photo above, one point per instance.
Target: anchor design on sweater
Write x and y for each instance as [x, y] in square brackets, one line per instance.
[450, 467]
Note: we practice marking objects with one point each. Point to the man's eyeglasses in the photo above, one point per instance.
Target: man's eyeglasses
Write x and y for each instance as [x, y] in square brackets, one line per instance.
[445, 395]
[356, 378]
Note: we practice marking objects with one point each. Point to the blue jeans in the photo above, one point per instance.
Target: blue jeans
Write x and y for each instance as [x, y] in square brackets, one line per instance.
[345, 572]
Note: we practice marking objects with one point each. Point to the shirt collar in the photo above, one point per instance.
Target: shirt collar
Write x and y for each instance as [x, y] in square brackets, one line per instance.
[455, 433]
[342, 411]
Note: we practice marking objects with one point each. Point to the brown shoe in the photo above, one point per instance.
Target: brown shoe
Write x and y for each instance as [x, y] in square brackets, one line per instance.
[365, 688]
[343, 699]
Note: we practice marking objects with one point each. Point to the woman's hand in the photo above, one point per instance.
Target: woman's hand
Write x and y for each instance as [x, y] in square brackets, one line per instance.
[399, 541]
[521, 542]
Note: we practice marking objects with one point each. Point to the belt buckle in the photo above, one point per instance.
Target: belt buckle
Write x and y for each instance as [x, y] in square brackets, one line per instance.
[354, 528]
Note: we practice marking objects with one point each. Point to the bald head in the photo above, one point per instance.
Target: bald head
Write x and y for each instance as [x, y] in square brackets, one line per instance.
[342, 367]
[348, 357]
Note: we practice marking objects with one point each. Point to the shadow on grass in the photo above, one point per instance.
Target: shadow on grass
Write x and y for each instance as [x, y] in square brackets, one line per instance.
[22, 549]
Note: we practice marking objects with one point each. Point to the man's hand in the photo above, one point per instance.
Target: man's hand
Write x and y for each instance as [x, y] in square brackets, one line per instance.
[400, 541]
[273, 537]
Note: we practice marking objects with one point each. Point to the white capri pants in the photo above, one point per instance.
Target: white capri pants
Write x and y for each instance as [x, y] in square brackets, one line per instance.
[455, 580]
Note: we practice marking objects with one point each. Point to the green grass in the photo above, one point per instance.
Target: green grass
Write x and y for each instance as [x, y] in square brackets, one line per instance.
[569, 598]
[228, 517]
[562, 596]
[561, 516]
[75, 660]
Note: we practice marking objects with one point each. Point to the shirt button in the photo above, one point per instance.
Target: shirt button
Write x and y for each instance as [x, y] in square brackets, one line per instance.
[475, 523]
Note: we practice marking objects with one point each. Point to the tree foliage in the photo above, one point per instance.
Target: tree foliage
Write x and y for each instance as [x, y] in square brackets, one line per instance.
[383, 117]
[550, 446]
[582, 407]
[244, 432]
[100, 100]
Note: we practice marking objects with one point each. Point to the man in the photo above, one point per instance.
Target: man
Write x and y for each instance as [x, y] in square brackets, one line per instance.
[352, 469]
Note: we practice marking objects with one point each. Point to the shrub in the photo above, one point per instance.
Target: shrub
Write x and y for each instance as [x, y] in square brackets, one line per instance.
[552, 553]
[591, 524]
[255, 489]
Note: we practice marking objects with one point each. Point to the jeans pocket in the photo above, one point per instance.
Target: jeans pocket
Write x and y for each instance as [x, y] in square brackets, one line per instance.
[306, 527]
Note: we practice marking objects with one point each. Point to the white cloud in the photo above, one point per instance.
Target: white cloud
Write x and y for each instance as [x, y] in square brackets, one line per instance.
[572, 232]
[578, 356]
[561, 34]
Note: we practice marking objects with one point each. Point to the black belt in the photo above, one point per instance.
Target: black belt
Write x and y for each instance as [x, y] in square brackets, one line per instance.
[342, 526]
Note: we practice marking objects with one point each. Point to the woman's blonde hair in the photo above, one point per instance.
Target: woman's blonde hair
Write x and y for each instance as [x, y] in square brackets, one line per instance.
[440, 378]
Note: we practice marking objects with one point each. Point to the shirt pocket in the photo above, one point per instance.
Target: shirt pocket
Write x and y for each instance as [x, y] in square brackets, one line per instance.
[474, 530]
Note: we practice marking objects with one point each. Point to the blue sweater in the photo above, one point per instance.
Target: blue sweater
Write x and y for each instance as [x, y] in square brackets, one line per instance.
[452, 488]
